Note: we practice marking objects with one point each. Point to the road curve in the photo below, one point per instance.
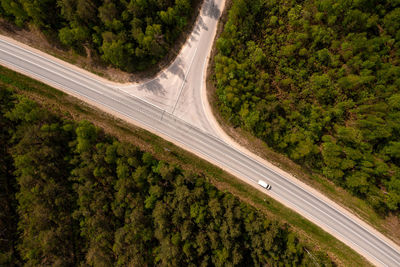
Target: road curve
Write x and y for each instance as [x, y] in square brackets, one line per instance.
[179, 116]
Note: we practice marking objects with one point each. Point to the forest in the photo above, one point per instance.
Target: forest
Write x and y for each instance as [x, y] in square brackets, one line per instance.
[72, 195]
[318, 81]
[130, 35]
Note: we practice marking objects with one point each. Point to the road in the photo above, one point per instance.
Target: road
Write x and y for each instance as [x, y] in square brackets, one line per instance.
[173, 105]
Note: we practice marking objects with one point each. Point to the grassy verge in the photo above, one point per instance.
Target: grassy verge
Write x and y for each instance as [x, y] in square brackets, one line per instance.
[72, 108]
[389, 225]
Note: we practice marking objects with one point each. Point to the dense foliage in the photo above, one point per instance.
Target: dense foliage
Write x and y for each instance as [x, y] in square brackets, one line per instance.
[8, 214]
[131, 35]
[83, 198]
[319, 81]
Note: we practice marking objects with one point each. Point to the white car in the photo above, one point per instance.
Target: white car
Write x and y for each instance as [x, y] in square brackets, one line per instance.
[264, 184]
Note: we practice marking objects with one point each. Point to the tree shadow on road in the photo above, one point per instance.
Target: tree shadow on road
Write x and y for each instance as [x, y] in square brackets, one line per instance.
[196, 30]
[211, 9]
[199, 25]
[154, 86]
[176, 68]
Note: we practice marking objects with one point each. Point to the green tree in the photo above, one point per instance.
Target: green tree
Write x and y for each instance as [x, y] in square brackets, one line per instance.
[8, 186]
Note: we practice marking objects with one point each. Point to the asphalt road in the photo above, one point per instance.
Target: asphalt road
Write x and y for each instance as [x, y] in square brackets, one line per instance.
[178, 88]
[190, 127]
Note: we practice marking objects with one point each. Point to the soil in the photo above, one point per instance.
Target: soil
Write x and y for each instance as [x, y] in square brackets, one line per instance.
[90, 61]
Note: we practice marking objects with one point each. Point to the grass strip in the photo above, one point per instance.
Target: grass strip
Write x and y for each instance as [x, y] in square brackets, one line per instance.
[72, 108]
